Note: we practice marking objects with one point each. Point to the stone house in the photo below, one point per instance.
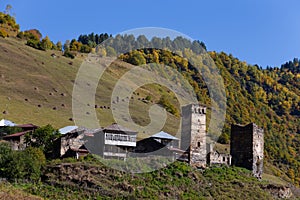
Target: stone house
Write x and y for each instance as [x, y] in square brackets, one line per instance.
[217, 156]
[17, 140]
[72, 143]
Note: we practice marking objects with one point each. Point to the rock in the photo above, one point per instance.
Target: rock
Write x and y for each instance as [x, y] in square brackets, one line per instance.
[282, 192]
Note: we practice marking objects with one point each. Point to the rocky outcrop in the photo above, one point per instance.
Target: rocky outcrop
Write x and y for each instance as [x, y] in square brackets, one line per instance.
[279, 192]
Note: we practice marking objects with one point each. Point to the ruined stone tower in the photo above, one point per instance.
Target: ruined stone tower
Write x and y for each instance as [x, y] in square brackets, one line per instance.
[247, 147]
[193, 134]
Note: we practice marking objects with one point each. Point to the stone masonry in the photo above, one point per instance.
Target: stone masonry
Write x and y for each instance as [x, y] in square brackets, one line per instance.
[247, 147]
[193, 134]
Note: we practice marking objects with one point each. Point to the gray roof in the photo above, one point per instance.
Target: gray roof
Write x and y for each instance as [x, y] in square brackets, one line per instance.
[5, 122]
[67, 129]
[164, 135]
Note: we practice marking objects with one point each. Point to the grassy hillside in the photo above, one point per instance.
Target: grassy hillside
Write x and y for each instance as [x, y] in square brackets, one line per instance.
[37, 88]
[177, 181]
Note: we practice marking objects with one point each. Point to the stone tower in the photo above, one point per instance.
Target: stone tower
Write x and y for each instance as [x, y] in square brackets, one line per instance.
[193, 134]
[247, 147]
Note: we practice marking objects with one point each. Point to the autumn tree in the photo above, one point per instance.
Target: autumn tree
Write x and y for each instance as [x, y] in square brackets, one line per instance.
[46, 44]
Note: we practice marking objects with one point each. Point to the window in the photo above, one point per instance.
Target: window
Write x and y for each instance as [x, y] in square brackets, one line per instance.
[198, 144]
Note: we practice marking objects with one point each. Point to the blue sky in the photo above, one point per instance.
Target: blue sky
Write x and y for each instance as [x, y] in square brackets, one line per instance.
[265, 32]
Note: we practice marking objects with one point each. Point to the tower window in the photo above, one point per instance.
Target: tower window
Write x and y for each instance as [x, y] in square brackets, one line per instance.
[198, 144]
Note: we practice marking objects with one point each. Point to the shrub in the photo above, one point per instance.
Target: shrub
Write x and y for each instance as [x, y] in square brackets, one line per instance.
[33, 43]
[3, 33]
[168, 106]
[148, 98]
[21, 164]
[69, 54]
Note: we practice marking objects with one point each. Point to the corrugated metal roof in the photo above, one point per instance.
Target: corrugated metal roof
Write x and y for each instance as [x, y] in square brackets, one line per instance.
[164, 135]
[67, 129]
[5, 122]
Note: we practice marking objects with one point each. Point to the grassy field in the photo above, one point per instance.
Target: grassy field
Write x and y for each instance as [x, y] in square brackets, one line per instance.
[37, 88]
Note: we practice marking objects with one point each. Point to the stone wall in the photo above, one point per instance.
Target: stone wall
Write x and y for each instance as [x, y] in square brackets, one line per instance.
[246, 147]
[193, 135]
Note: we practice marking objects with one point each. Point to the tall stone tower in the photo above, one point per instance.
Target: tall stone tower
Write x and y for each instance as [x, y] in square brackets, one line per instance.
[193, 134]
[247, 147]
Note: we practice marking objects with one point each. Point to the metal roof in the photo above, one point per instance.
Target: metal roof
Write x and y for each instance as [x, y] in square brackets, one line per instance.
[164, 135]
[5, 122]
[67, 129]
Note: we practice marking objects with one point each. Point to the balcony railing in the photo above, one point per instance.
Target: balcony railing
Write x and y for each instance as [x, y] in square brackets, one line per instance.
[120, 139]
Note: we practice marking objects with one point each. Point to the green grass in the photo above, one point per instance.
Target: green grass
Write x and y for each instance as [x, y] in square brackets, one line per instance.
[8, 191]
[28, 76]
[176, 181]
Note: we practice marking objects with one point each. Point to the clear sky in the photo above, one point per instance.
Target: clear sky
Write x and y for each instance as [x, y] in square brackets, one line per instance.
[263, 32]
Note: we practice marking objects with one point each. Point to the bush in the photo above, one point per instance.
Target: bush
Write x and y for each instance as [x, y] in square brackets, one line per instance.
[21, 164]
[33, 43]
[69, 54]
[148, 98]
[3, 33]
[168, 106]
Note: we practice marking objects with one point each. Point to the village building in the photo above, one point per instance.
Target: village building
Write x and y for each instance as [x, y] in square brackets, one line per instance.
[247, 147]
[150, 147]
[117, 141]
[72, 142]
[166, 139]
[159, 144]
[216, 157]
[114, 141]
[17, 140]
